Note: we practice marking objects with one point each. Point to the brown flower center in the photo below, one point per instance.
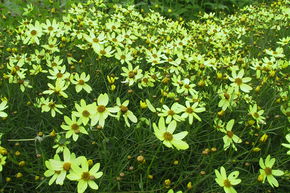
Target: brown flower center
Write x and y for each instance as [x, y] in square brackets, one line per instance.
[168, 136]
[101, 108]
[131, 74]
[238, 81]
[33, 32]
[230, 134]
[268, 171]
[189, 110]
[66, 166]
[81, 82]
[171, 112]
[75, 126]
[50, 28]
[124, 109]
[227, 183]
[86, 113]
[227, 96]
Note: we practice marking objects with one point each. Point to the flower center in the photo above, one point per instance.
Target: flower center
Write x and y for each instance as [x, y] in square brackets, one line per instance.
[227, 183]
[268, 171]
[101, 108]
[66, 166]
[230, 134]
[189, 110]
[81, 82]
[74, 126]
[124, 109]
[96, 40]
[86, 113]
[86, 176]
[256, 115]
[227, 96]
[171, 112]
[51, 105]
[33, 32]
[123, 57]
[131, 74]
[238, 81]
[168, 136]
[59, 75]
[50, 28]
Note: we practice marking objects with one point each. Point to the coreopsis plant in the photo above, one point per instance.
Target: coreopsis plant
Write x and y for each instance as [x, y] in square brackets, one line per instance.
[80, 82]
[189, 111]
[165, 134]
[125, 112]
[287, 145]
[102, 112]
[47, 104]
[59, 88]
[131, 75]
[239, 81]
[33, 33]
[230, 138]
[84, 176]
[267, 172]
[2, 161]
[58, 169]
[73, 127]
[257, 115]
[227, 182]
[60, 143]
[171, 113]
[84, 111]
[3, 106]
[228, 97]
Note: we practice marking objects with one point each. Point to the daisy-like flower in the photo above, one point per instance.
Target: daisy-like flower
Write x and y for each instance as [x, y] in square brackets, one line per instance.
[84, 111]
[2, 161]
[267, 172]
[171, 113]
[49, 105]
[80, 82]
[54, 174]
[185, 87]
[60, 86]
[102, 111]
[166, 135]
[131, 75]
[190, 111]
[51, 28]
[278, 53]
[228, 97]
[257, 115]
[58, 169]
[58, 73]
[3, 106]
[239, 82]
[52, 45]
[125, 112]
[73, 127]
[33, 33]
[84, 176]
[61, 144]
[227, 182]
[230, 138]
[95, 41]
[124, 56]
[287, 145]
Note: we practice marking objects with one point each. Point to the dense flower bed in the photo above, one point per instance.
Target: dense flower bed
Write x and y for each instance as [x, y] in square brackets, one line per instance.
[119, 101]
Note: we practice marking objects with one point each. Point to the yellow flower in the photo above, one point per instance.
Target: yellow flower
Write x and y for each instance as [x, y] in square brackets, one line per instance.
[166, 135]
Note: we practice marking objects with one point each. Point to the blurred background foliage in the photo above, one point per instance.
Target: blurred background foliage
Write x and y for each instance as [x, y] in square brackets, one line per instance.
[177, 9]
